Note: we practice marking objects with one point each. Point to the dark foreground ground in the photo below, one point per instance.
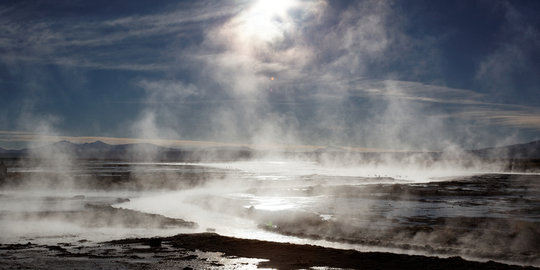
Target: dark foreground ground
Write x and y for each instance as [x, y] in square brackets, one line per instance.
[213, 251]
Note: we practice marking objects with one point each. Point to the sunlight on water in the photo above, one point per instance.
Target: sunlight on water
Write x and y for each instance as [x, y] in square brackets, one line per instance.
[274, 203]
[273, 186]
[190, 205]
[266, 200]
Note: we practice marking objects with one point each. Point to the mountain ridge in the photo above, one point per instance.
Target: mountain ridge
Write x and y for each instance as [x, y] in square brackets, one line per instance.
[147, 151]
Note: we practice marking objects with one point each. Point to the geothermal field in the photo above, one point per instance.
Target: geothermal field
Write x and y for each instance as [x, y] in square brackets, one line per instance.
[270, 134]
[288, 212]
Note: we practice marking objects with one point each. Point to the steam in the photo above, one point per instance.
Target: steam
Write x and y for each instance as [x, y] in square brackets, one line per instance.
[288, 72]
[275, 75]
[305, 73]
[57, 163]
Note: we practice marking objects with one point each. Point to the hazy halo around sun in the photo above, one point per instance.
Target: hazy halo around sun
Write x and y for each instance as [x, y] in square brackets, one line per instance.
[267, 20]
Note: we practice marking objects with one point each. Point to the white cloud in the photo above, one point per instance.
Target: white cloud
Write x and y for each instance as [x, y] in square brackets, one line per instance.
[87, 42]
[526, 118]
[257, 67]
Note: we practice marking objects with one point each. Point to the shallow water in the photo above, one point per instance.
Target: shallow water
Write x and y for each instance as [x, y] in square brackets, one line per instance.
[290, 201]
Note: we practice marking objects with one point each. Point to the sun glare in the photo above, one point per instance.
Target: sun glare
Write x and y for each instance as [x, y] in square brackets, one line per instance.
[267, 19]
[273, 7]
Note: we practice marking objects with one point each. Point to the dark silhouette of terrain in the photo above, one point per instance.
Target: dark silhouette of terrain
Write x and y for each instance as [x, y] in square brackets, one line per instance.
[130, 152]
[518, 157]
[292, 256]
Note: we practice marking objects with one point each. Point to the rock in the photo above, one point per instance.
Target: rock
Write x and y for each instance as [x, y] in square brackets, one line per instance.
[154, 242]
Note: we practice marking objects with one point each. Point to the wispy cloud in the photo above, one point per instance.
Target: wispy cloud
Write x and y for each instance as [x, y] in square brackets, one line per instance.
[86, 42]
[305, 61]
[527, 118]
[296, 72]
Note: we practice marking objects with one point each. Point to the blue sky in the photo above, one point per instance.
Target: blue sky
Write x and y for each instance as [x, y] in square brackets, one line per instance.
[381, 74]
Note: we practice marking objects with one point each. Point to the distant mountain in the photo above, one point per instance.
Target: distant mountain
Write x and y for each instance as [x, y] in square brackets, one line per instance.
[331, 149]
[529, 150]
[128, 152]
[6, 153]
[151, 152]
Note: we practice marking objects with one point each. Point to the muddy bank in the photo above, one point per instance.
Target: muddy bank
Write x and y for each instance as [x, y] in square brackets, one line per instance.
[291, 256]
[213, 251]
[496, 239]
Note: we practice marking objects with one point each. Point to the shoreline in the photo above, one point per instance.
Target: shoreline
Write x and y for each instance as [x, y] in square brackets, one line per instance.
[478, 218]
[214, 251]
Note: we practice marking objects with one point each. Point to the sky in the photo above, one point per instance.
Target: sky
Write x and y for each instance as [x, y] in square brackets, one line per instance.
[425, 75]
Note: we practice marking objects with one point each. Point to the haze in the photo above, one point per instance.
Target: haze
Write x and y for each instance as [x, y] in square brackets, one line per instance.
[373, 74]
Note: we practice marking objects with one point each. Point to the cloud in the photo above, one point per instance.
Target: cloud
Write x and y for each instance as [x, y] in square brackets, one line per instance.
[295, 77]
[91, 42]
[526, 118]
[296, 72]
[278, 61]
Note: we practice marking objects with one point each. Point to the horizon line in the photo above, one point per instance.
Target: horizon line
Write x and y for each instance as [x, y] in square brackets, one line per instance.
[32, 137]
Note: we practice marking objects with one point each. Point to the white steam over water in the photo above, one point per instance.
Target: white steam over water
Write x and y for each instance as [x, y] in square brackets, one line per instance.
[274, 169]
[21, 221]
[274, 186]
[363, 207]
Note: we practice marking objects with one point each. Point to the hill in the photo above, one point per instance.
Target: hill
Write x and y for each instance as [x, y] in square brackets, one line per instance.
[128, 152]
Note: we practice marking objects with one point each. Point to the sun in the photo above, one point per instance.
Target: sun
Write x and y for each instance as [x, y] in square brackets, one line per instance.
[267, 20]
[269, 8]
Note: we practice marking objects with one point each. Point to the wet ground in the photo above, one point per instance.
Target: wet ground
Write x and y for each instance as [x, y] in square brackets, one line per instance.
[79, 216]
[487, 216]
[126, 254]
[212, 251]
